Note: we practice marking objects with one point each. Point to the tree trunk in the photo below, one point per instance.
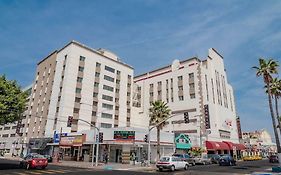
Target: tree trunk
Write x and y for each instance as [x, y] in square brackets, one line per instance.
[158, 143]
[274, 124]
[277, 113]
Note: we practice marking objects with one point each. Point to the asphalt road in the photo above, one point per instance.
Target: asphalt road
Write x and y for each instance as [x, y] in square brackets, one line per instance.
[8, 167]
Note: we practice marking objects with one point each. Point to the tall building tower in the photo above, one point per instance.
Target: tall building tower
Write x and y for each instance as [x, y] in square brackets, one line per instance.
[199, 88]
[91, 85]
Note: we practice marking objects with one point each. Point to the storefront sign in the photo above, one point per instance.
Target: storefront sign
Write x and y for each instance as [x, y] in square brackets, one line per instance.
[207, 117]
[124, 135]
[182, 142]
[57, 136]
[76, 140]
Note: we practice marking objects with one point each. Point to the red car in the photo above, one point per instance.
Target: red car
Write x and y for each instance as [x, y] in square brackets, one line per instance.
[34, 161]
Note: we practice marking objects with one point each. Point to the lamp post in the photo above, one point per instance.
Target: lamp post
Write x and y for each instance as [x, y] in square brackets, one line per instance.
[96, 136]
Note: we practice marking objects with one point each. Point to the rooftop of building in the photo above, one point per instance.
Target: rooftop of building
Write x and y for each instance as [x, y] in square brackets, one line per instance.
[102, 52]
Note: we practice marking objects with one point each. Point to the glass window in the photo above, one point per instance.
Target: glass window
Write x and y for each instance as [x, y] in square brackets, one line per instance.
[78, 90]
[77, 99]
[192, 96]
[179, 77]
[105, 125]
[106, 97]
[107, 106]
[95, 94]
[79, 79]
[97, 74]
[106, 115]
[108, 78]
[191, 75]
[82, 58]
[110, 69]
[80, 69]
[98, 64]
[96, 84]
[109, 88]
[118, 72]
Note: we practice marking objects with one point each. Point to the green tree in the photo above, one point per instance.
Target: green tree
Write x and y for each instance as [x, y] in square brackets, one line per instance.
[266, 69]
[12, 101]
[158, 112]
[275, 88]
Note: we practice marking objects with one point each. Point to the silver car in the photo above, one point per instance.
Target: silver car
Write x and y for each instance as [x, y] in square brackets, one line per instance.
[203, 160]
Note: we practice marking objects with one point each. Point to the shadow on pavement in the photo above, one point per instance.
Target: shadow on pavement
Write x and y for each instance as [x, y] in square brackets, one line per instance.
[6, 166]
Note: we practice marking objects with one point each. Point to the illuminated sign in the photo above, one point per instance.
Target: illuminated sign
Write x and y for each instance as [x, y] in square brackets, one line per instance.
[124, 135]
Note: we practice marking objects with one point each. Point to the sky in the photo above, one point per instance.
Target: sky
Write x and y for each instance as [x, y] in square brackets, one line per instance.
[148, 34]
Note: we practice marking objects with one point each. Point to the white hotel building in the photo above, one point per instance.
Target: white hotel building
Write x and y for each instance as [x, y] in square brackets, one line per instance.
[193, 86]
[95, 86]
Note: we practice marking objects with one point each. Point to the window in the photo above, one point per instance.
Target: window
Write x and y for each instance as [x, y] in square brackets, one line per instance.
[109, 88]
[107, 106]
[150, 94]
[180, 98]
[159, 83]
[95, 103]
[77, 99]
[192, 96]
[128, 94]
[98, 64]
[7, 128]
[96, 84]
[105, 125]
[191, 75]
[79, 79]
[109, 69]
[95, 94]
[78, 90]
[191, 85]
[94, 113]
[118, 72]
[179, 78]
[76, 110]
[5, 135]
[180, 88]
[82, 58]
[116, 117]
[151, 85]
[13, 135]
[108, 78]
[106, 115]
[117, 90]
[80, 69]
[106, 97]
[97, 74]
[117, 81]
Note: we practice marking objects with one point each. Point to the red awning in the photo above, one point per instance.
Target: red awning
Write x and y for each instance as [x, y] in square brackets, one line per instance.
[238, 146]
[211, 145]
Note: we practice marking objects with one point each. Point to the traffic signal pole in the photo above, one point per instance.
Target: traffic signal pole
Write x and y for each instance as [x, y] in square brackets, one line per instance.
[97, 142]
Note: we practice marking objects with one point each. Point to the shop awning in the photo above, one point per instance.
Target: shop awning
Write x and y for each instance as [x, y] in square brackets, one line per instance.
[237, 146]
[212, 145]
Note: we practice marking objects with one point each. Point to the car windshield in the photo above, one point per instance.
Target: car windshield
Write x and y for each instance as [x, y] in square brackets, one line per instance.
[165, 159]
[37, 156]
[225, 157]
[178, 155]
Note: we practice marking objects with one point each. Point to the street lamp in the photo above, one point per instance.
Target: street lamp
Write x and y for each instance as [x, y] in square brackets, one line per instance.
[96, 136]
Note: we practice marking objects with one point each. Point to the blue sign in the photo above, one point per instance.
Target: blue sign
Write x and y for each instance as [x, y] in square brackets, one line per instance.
[57, 136]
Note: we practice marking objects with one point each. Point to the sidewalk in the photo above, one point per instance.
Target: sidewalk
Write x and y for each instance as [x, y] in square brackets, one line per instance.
[102, 166]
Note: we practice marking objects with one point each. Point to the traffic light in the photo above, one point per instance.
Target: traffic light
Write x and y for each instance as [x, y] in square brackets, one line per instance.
[186, 117]
[146, 138]
[100, 137]
[69, 121]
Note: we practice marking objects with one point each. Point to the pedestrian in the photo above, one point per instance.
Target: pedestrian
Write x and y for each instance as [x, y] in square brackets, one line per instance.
[105, 158]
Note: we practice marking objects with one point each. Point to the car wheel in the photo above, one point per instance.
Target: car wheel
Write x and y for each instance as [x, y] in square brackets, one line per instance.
[43, 167]
[27, 166]
[160, 169]
[173, 168]
[186, 167]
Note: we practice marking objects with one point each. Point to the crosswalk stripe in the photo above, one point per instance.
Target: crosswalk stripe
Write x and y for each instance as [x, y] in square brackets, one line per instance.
[34, 172]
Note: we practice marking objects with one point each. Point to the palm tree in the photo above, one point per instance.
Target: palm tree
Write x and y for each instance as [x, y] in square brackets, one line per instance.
[266, 69]
[275, 88]
[158, 112]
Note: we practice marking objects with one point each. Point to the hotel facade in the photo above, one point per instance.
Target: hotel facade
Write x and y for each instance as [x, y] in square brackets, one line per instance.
[95, 86]
[200, 89]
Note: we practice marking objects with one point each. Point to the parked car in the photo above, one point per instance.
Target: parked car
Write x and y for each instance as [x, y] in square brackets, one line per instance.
[227, 160]
[215, 158]
[34, 161]
[203, 160]
[49, 158]
[273, 159]
[186, 158]
[171, 163]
